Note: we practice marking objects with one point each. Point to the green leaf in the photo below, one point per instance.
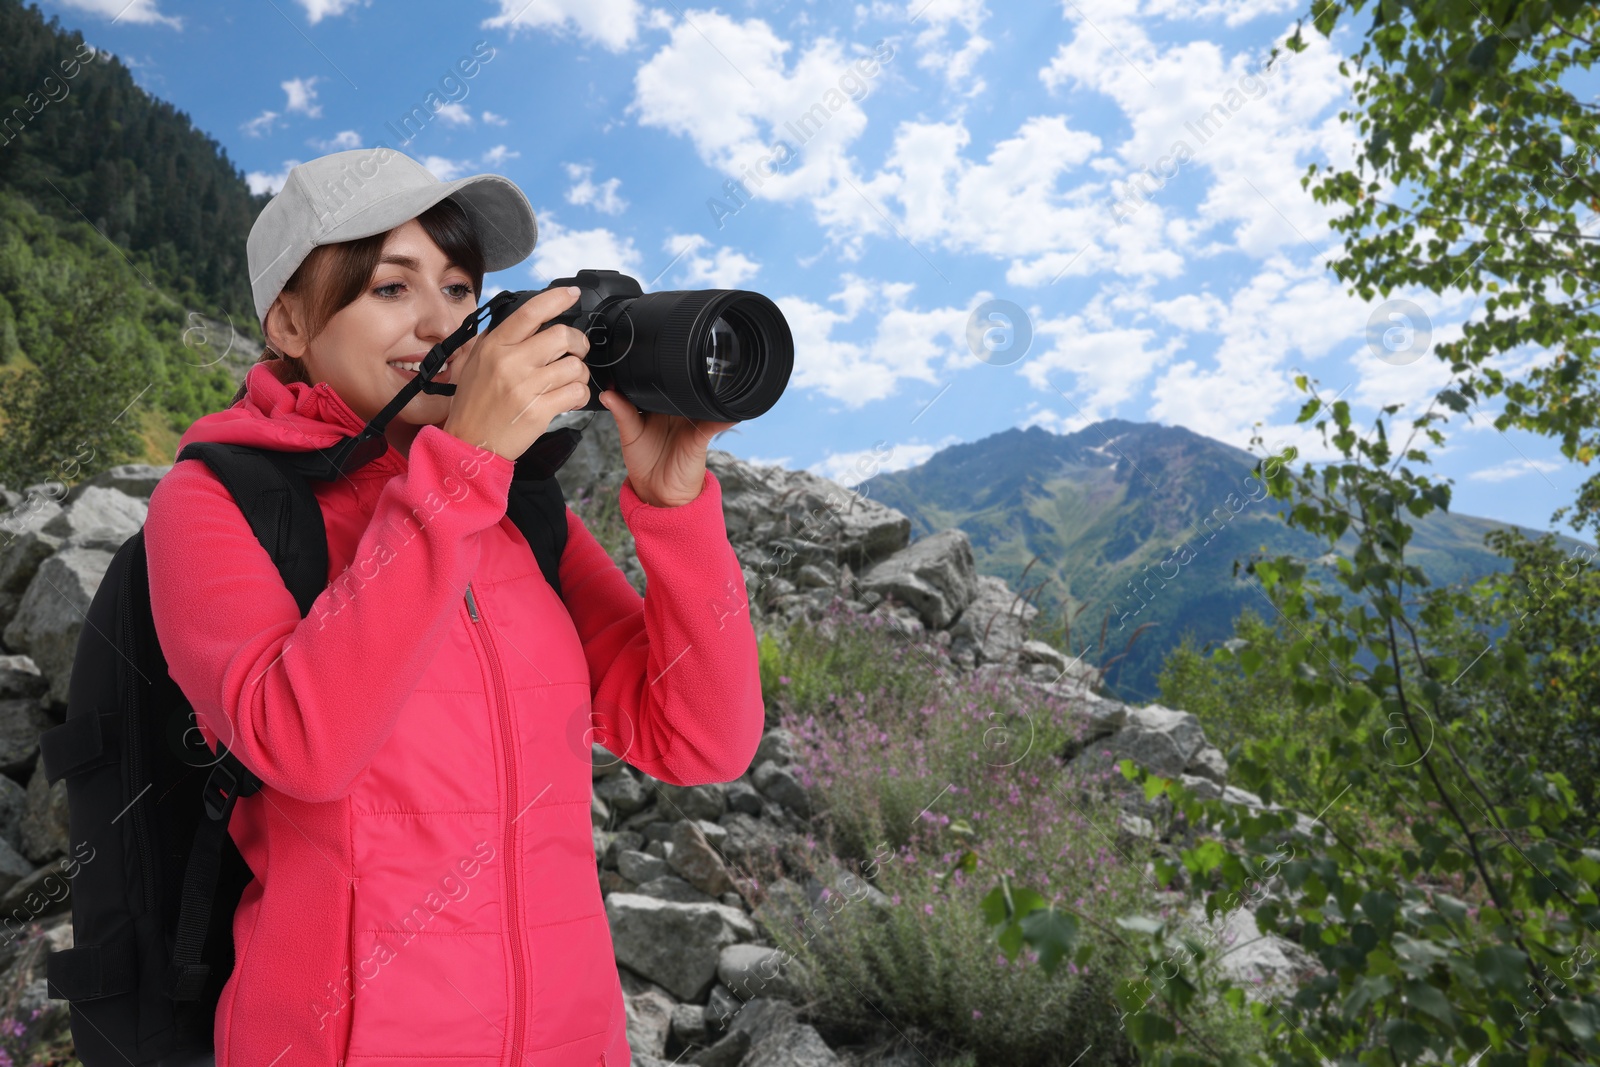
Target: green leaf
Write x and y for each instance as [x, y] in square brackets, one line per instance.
[1053, 934]
[1481, 58]
[1502, 967]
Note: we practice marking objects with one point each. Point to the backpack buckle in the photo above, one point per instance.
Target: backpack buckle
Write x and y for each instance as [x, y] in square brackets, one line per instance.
[232, 783]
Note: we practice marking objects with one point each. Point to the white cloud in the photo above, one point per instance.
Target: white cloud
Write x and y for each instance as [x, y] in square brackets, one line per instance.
[317, 10]
[491, 119]
[1233, 12]
[1202, 122]
[496, 157]
[850, 469]
[1514, 468]
[446, 170]
[761, 461]
[562, 252]
[612, 24]
[261, 124]
[725, 268]
[906, 343]
[262, 182]
[937, 18]
[141, 12]
[302, 95]
[602, 197]
[339, 142]
[725, 85]
[455, 115]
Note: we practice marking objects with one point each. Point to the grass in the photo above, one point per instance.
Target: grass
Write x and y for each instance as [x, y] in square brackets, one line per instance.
[911, 764]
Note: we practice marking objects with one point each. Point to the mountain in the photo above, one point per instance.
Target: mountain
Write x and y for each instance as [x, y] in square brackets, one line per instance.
[82, 142]
[1140, 523]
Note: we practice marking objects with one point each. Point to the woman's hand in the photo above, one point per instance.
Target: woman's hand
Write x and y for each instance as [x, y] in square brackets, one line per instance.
[665, 454]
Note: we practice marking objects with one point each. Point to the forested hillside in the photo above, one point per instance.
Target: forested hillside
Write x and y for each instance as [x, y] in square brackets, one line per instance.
[95, 147]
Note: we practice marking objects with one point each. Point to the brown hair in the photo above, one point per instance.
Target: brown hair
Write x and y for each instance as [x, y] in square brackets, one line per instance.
[336, 274]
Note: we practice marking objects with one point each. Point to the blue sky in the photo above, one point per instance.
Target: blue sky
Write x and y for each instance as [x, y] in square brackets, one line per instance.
[1124, 173]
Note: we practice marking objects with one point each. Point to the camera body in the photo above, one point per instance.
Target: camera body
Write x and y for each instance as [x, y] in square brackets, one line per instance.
[714, 354]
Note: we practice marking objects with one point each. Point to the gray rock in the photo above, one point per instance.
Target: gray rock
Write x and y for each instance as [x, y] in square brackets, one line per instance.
[742, 796]
[935, 576]
[99, 512]
[750, 971]
[675, 945]
[52, 611]
[1209, 762]
[761, 504]
[649, 1021]
[45, 828]
[695, 857]
[692, 802]
[13, 805]
[671, 887]
[43, 892]
[25, 547]
[995, 622]
[689, 1024]
[1158, 738]
[604, 762]
[1204, 788]
[639, 867]
[14, 867]
[599, 814]
[134, 479]
[721, 1007]
[623, 792]
[21, 723]
[20, 679]
[1263, 964]
[798, 1046]
[777, 745]
[621, 841]
[781, 784]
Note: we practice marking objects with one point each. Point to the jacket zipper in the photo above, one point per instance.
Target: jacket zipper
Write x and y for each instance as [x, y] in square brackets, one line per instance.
[503, 706]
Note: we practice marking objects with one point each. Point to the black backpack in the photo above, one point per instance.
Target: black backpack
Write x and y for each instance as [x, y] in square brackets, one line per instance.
[152, 906]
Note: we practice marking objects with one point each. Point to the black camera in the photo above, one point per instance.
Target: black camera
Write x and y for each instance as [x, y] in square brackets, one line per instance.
[719, 354]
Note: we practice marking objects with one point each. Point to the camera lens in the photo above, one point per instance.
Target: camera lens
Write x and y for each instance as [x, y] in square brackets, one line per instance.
[732, 356]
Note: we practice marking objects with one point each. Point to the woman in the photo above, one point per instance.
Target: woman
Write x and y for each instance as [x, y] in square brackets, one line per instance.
[425, 886]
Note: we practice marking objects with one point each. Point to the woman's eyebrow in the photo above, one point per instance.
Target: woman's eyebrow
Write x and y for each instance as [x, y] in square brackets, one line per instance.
[411, 263]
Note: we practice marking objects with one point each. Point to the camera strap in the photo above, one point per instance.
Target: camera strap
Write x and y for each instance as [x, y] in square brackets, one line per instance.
[355, 452]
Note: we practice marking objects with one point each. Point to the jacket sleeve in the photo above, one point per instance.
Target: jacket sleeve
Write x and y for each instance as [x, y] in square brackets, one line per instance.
[675, 679]
[306, 703]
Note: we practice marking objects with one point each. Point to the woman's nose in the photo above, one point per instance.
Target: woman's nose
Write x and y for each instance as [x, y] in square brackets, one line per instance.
[440, 317]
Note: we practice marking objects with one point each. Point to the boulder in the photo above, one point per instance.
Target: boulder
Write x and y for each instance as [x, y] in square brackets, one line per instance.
[935, 576]
[137, 480]
[675, 945]
[52, 611]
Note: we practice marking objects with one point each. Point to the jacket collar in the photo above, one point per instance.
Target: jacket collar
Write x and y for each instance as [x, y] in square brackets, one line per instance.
[288, 416]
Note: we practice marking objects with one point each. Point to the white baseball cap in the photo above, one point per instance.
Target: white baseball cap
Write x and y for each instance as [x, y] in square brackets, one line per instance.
[345, 195]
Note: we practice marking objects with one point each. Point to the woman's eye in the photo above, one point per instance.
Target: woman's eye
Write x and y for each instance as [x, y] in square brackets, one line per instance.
[465, 289]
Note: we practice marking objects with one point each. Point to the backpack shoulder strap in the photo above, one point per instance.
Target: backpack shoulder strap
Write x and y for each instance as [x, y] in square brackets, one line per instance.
[272, 490]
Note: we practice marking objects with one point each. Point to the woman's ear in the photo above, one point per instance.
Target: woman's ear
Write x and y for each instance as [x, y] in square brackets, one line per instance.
[284, 328]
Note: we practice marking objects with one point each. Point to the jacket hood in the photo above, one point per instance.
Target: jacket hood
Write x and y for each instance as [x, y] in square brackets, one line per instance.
[287, 416]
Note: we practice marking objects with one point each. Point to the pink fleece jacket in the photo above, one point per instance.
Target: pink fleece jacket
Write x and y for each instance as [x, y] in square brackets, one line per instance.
[425, 887]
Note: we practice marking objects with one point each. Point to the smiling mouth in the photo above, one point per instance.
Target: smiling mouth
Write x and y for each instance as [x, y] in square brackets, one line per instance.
[409, 371]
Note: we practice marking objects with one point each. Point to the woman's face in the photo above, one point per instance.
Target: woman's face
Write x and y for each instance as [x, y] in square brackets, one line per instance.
[414, 300]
